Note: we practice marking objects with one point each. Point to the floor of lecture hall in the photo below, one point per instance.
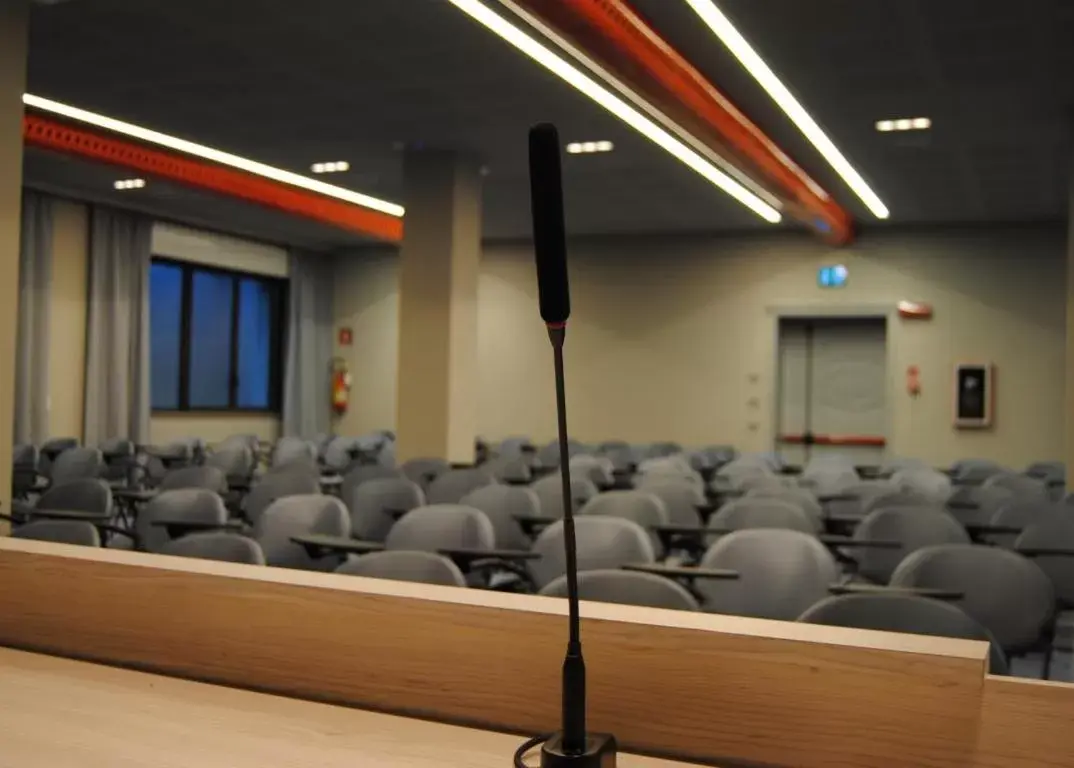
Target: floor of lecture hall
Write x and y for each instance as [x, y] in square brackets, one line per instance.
[58, 713]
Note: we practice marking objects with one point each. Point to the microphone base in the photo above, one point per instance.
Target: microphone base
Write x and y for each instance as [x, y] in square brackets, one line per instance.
[600, 752]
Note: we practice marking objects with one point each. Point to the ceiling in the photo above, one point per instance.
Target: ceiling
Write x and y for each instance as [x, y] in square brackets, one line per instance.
[359, 79]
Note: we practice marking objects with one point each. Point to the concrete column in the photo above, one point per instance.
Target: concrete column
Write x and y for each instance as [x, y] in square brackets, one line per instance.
[436, 397]
[14, 19]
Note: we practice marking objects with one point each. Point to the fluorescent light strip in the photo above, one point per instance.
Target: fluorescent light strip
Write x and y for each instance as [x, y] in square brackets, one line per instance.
[722, 27]
[213, 155]
[605, 98]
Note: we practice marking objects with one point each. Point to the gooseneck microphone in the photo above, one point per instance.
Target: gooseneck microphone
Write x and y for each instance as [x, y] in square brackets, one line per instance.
[572, 747]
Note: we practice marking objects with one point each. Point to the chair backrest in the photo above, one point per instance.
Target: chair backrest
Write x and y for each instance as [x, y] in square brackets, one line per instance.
[406, 565]
[204, 476]
[1002, 590]
[548, 454]
[437, 526]
[24, 465]
[116, 448]
[502, 503]
[1023, 514]
[781, 573]
[290, 450]
[236, 461]
[76, 464]
[363, 473]
[253, 442]
[620, 453]
[550, 492]
[926, 482]
[681, 500]
[912, 527]
[603, 543]
[186, 504]
[858, 497]
[516, 446]
[977, 504]
[275, 486]
[513, 468]
[60, 532]
[85, 495]
[424, 470]
[909, 614]
[627, 588]
[371, 505]
[299, 516]
[449, 487]
[1054, 532]
[897, 497]
[799, 497]
[1022, 486]
[645, 509]
[974, 471]
[762, 512]
[1048, 471]
[226, 547]
[661, 449]
[828, 478]
[598, 469]
[339, 452]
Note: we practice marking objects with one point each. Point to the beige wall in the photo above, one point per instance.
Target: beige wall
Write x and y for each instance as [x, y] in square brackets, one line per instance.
[676, 338]
[211, 427]
[67, 321]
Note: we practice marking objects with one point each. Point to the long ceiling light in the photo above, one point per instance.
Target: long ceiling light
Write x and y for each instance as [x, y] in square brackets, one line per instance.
[605, 98]
[213, 155]
[722, 27]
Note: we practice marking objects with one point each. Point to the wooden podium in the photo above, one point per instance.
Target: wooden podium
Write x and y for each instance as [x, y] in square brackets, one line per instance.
[716, 689]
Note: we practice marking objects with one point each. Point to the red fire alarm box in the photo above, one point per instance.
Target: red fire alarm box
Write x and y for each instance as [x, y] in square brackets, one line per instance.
[346, 337]
[915, 310]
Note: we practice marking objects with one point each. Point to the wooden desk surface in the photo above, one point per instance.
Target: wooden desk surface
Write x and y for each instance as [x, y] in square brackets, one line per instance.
[57, 713]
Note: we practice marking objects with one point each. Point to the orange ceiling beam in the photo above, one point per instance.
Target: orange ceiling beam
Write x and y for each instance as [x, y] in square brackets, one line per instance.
[60, 137]
[612, 33]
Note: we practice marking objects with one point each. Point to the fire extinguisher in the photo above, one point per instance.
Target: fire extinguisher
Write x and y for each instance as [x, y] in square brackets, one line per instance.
[341, 386]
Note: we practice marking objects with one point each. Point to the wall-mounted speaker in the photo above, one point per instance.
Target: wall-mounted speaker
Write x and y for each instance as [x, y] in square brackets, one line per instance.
[974, 397]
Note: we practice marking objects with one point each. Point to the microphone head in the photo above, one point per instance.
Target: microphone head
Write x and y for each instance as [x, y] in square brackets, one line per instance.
[549, 232]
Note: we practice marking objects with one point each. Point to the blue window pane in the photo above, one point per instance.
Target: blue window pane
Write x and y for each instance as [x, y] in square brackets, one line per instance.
[165, 329]
[210, 340]
[255, 343]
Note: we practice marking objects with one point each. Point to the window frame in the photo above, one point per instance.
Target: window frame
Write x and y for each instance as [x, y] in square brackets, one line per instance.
[278, 345]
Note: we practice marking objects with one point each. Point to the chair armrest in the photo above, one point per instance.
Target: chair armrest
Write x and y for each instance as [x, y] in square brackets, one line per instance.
[832, 540]
[70, 514]
[533, 524]
[468, 556]
[879, 589]
[681, 571]
[319, 546]
[827, 498]
[985, 528]
[177, 527]
[1045, 552]
[134, 494]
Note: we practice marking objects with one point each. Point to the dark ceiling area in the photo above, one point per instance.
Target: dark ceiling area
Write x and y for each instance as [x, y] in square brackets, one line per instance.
[357, 80]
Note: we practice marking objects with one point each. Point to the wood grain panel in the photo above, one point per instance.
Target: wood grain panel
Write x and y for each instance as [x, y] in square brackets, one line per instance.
[722, 689]
[1026, 724]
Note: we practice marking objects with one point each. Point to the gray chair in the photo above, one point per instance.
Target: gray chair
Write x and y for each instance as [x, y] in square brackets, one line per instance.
[340, 452]
[449, 487]
[514, 469]
[51, 450]
[60, 532]
[294, 450]
[549, 491]
[641, 507]
[926, 482]
[405, 565]
[424, 470]
[195, 505]
[273, 487]
[1024, 514]
[300, 516]
[603, 543]
[829, 478]
[857, 499]
[371, 504]
[1008, 594]
[799, 497]
[516, 446]
[204, 477]
[974, 471]
[658, 471]
[598, 469]
[741, 474]
[1054, 532]
[24, 469]
[781, 574]
[502, 503]
[761, 512]
[77, 464]
[626, 588]
[1053, 474]
[236, 461]
[1021, 486]
[363, 473]
[620, 453]
[659, 450]
[120, 460]
[81, 495]
[681, 500]
[897, 497]
[548, 455]
[978, 504]
[908, 614]
[225, 547]
[442, 526]
[912, 527]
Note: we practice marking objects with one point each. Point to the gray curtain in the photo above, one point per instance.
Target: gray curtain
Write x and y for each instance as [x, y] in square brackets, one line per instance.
[306, 405]
[117, 328]
[32, 340]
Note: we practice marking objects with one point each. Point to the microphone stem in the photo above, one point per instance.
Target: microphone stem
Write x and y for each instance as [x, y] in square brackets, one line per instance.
[574, 687]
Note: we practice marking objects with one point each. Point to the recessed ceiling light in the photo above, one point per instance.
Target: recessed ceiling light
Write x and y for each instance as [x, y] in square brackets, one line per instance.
[213, 155]
[904, 124]
[616, 105]
[129, 184]
[722, 27]
[337, 167]
[589, 147]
